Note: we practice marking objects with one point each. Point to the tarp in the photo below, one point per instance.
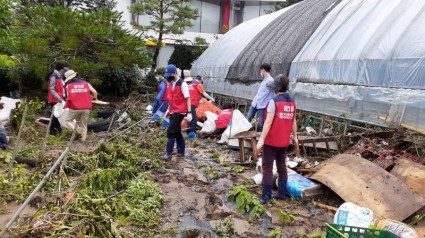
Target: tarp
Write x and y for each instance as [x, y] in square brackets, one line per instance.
[369, 43]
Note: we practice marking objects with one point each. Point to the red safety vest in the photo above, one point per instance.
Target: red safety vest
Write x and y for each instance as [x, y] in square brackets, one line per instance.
[166, 95]
[78, 95]
[59, 88]
[177, 101]
[195, 96]
[223, 119]
[281, 128]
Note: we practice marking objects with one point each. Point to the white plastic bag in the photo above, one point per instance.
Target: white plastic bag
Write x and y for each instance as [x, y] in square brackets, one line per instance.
[209, 124]
[9, 104]
[58, 109]
[237, 125]
[352, 215]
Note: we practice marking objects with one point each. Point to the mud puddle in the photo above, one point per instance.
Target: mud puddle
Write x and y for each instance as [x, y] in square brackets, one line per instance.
[196, 201]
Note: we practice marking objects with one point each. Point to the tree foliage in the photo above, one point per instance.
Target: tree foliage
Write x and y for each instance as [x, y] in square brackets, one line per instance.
[168, 17]
[87, 5]
[184, 55]
[93, 43]
[280, 5]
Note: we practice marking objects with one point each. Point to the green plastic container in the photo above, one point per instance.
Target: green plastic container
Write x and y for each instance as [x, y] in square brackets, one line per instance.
[338, 231]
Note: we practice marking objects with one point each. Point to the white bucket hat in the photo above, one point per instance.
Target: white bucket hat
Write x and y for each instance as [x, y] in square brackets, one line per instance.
[70, 74]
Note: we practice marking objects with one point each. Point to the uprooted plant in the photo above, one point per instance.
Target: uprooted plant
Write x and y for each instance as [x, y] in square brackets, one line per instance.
[246, 203]
[110, 193]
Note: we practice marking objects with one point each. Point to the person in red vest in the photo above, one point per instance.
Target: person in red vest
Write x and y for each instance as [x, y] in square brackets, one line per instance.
[224, 118]
[196, 91]
[179, 108]
[55, 92]
[280, 122]
[161, 99]
[79, 102]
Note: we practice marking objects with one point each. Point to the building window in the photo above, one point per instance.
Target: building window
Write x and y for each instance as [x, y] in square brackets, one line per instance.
[238, 9]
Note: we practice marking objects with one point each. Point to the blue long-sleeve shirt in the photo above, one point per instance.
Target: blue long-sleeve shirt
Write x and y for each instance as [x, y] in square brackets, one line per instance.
[162, 89]
[264, 94]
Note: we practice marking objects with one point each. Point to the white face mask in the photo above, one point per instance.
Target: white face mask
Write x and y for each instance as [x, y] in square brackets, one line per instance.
[261, 74]
[157, 78]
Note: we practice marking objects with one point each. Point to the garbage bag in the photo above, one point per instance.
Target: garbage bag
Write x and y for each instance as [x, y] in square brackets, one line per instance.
[209, 124]
[237, 125]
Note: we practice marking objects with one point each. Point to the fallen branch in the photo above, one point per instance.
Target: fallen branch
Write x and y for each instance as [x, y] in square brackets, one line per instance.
[23, 160]
[321, 205]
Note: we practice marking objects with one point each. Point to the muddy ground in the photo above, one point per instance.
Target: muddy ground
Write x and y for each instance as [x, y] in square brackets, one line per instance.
[196, 201]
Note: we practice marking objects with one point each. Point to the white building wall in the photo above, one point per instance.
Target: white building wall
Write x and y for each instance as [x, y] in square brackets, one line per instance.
[255, 9]
[206, 26]
[122, 6]
[164, 55]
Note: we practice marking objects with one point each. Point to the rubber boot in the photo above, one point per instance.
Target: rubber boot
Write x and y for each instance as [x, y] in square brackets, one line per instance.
[266, 196]
[281, 190]
[180, 147]
[170, 147]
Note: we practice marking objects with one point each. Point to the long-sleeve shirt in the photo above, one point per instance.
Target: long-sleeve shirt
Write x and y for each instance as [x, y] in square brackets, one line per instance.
[263, 94]
[52, 84]
[162, 89]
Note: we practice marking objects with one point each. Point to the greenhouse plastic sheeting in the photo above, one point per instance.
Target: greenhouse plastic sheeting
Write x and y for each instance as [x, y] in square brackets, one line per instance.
[367, 42]
[358, 103]
[280, 41]
[218, 58]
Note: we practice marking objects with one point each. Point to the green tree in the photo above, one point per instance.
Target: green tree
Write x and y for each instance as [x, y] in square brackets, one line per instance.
[184, 55]
[280, 5]
[168, 17]
[93, 43]
[87, 5]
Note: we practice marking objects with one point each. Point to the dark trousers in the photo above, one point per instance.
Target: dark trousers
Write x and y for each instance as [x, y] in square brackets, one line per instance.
[55, 126]
[271, 154]
[174, 134]
[174, 130]
[192, 124]
[3, 139]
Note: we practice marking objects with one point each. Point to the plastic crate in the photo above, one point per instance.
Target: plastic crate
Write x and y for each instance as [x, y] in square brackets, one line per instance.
[338, 231]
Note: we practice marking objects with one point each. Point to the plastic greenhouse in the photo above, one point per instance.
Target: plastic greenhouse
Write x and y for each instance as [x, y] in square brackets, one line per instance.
[359, 59]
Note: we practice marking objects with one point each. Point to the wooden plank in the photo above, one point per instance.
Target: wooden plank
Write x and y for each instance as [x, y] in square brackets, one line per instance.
[315, 148]
[404, 125]
[241, 150]
[411, 173]
[304, 150]
[246, 135]
[320, 142]
[321, 205]
[254, 148]
[409, 127]
[327, 146]
[364, 183]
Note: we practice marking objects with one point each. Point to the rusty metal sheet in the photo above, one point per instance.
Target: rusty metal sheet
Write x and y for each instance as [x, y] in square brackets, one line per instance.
[412, 174]
[364, 183]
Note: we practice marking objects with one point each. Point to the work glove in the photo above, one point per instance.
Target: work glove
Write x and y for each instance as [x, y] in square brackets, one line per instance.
[191, 135]
[260, 144]
[189, 117]
[294, 140]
